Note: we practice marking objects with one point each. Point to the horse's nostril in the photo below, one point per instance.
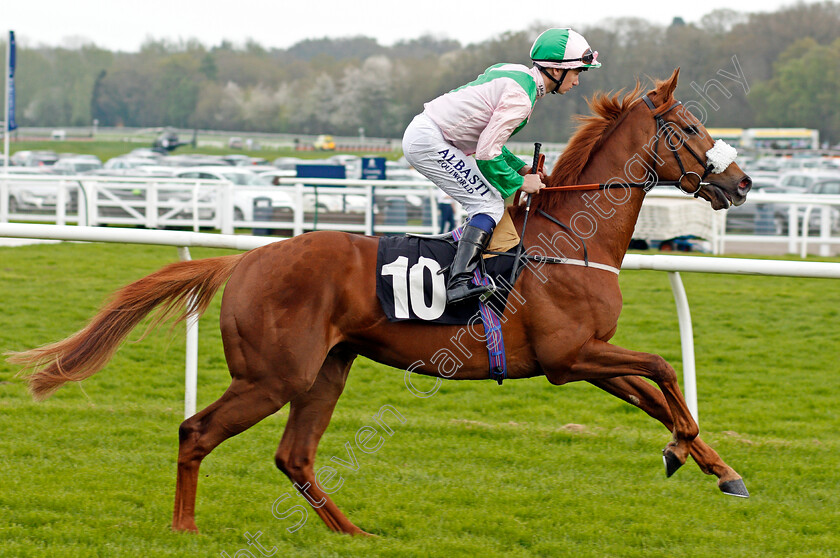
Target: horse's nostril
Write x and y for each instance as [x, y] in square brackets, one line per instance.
[745, 185]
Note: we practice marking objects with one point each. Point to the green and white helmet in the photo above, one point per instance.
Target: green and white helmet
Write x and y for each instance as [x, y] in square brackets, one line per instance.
[565, 49]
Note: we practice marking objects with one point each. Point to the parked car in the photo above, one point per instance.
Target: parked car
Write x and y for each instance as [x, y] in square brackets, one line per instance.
[753, 217]
[124, 162]
[193, 160]
[145, 152]
[327, 200]
[826, 186]
[140, 171]
[237, 160]
[803, 178]
[35, 196]
[766, 163]
[76, 165]
[799, 163]
[33, 158]
[243, 196]
[289, 163]
[324, 143]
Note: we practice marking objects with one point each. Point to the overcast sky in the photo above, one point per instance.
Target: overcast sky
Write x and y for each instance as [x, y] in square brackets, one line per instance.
[124, 25]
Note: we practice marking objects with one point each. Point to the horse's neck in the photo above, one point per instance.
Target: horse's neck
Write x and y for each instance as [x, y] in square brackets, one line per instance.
[615, 211]
[602, 219]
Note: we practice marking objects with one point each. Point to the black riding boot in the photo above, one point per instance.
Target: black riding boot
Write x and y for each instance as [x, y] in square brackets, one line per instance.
[467, 256]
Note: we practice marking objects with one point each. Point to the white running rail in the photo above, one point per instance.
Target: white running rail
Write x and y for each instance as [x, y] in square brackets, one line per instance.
[673, 265]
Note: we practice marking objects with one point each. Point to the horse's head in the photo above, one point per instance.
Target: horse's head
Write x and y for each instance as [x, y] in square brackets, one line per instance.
[684, 151]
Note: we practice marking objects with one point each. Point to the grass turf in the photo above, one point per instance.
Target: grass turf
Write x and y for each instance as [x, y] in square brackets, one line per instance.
[106, 149]
[526, 469]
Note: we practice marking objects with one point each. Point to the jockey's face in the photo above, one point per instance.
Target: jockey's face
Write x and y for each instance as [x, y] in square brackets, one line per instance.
[570, 81]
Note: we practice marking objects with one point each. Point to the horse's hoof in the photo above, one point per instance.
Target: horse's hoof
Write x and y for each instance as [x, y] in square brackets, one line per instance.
[672, 462]
[734, 488]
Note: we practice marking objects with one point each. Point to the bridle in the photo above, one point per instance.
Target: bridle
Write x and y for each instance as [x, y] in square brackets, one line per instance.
[662, 128]
[667, 128]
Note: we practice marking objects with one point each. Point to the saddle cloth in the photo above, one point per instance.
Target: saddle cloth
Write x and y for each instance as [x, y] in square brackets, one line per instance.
[410, 287]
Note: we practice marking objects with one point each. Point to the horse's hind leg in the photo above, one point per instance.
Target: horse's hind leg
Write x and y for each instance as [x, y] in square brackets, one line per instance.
[309, 416]
[244, 404]
[643, 395]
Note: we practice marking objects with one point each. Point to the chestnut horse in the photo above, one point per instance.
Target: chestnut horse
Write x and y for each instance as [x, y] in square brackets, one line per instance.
[296, 313]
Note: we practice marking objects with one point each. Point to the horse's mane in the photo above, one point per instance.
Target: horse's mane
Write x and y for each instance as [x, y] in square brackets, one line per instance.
[607, 111]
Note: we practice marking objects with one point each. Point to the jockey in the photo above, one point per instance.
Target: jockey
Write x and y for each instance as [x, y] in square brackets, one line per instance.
[477, 119]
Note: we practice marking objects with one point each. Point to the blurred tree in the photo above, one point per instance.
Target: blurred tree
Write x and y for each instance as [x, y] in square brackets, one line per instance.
[335, 85]
[803, 90]
[423, 47]
[721, 21]
[313, 104]
[208, 67]
[358, 48]
[366, 99]
[177, 89]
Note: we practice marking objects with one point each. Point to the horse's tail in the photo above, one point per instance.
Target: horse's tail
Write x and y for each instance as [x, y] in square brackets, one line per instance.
[179, 289]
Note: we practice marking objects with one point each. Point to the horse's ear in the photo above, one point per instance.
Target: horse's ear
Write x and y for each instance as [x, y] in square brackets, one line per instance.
[667, 87]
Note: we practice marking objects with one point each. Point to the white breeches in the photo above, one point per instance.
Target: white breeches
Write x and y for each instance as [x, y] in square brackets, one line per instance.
[450, 169]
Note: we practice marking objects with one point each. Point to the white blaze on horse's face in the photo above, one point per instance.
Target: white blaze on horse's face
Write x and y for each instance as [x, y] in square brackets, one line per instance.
[720, 156]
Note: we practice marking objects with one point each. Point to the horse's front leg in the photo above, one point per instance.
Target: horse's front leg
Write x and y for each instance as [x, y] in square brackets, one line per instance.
[598, 360]
[646, 397]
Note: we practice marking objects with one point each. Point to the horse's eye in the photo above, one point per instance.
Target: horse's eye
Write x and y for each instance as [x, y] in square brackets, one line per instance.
[691, 130]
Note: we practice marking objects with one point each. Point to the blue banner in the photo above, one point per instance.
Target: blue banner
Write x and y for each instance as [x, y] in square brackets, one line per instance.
[11, 116]
[373, 168]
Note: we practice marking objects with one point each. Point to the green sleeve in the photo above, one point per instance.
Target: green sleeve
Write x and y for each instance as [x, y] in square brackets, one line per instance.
[512, 160]
[500, 174]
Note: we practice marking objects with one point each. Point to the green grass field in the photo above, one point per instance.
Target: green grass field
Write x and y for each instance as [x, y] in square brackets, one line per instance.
[106, 149]
[476, 470]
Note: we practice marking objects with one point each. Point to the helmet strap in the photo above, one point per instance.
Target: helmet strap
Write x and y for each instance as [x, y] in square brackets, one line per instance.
[557, 83]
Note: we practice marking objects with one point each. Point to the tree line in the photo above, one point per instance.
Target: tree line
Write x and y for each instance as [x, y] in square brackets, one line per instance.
[789, 60]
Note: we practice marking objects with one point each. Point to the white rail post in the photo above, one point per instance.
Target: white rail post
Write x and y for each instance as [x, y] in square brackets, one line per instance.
[297, 226]
[4, 199]
[60, 203]
[369, 209]
[806, 220]
[191, 360]
[91, 208]
[194, 205]
[435, 210]
[687, 342]
[152, 202]
[825, 230]
[793, 226]
[224, 209]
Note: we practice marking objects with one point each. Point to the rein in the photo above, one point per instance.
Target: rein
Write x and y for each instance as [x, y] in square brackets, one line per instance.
[607, 186]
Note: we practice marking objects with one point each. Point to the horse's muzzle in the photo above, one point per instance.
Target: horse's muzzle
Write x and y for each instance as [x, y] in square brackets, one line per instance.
[745, 185]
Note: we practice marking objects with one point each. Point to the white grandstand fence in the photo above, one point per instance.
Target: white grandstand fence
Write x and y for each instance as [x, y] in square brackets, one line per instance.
[673, 265]
[160, 202]
[209, 204]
